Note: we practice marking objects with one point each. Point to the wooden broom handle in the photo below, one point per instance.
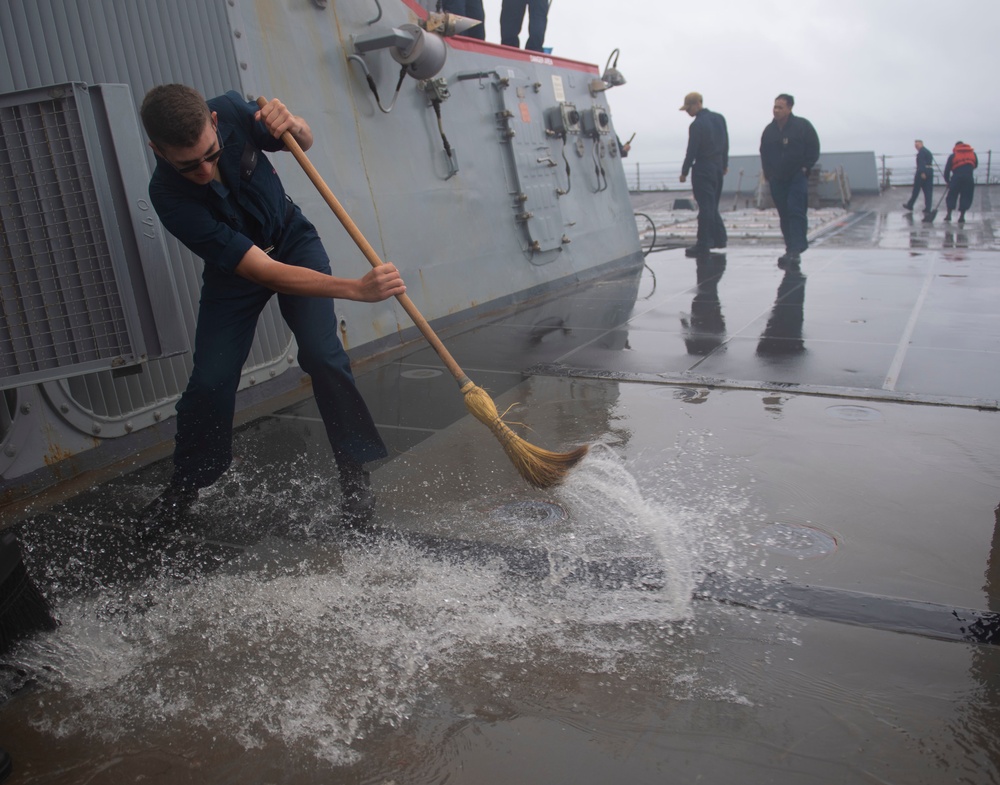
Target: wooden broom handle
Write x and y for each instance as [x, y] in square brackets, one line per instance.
[366, 248]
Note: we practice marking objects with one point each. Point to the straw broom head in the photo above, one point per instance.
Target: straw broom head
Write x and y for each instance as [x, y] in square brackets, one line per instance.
[540, 468]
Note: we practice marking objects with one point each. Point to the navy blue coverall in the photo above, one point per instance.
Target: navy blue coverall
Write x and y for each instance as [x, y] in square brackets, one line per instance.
[512, 17]
[923, 180]
[708, 158]
[786, 156]
[220, 222]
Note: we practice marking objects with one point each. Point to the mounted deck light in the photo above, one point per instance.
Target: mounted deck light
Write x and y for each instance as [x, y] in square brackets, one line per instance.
[612, 77]
[421, 53]
[425, 56]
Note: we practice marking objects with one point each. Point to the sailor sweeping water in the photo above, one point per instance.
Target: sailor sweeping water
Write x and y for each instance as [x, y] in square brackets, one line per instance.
[958, 173]
[215, 190]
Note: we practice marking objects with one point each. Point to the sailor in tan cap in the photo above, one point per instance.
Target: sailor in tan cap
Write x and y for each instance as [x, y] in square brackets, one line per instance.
[707, 159]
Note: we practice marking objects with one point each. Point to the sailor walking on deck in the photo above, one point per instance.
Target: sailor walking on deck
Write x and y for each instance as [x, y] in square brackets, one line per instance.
[958, 173]
[215, 191]
[923, 178]
[789, 149]
[707, 159]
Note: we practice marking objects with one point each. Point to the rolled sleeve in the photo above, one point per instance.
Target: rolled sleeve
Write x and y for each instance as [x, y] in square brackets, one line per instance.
[232, 247]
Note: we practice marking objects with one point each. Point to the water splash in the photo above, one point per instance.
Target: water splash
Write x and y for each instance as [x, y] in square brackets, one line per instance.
[315, 643]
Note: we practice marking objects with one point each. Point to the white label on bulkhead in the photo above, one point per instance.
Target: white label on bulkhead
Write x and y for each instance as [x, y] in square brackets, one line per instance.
[557, 88]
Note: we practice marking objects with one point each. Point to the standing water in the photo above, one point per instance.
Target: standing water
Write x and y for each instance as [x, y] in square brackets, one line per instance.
[320, 656]
[324, 656]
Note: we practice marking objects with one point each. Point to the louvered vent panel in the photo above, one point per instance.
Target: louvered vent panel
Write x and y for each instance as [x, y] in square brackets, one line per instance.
[61, 304]
[45, 42]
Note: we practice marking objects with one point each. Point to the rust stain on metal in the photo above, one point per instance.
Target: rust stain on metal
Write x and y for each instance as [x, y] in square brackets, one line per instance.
[423, 284]
[56, 455]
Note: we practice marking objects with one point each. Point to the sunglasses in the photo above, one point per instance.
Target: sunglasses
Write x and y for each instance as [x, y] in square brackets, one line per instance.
[211, 158]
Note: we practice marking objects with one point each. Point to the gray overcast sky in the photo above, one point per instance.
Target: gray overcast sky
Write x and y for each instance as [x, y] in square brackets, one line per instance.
[869, 74]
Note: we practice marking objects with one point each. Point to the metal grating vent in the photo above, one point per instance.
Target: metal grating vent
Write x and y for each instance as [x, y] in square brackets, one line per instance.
[60, 299]
[8, 407]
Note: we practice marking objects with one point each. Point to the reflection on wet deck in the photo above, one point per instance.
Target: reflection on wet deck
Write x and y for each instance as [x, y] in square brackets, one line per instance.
[885, 305]
[833, 426]
[900, 325]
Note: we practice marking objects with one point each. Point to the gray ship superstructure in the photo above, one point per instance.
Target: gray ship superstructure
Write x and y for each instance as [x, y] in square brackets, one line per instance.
[490, 176]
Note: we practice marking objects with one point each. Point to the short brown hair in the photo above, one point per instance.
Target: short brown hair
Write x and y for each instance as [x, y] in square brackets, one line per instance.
[174, 115]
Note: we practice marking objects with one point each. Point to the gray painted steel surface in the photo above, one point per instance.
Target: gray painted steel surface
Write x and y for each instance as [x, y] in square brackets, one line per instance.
[460, 229]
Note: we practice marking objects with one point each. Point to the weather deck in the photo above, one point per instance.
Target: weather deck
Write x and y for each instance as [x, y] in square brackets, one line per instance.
[839, 421]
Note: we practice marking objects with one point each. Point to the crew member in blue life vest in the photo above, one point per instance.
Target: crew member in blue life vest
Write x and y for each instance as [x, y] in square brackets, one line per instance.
[215, 190]
[923, 178]
[789, 149]
[707, 159]
[958, 173]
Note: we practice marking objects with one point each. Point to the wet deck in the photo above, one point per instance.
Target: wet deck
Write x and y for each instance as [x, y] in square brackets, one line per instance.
[835, 426]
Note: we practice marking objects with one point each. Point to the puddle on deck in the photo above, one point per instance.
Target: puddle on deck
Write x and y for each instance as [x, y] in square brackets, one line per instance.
[317, 656]
[505, 635]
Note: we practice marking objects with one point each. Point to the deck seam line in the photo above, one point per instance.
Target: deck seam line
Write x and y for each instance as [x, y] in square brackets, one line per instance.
[312, 419]
[904, 341]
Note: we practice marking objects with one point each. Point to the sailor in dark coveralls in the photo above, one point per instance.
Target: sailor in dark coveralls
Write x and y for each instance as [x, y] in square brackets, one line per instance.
[958, 173]
[215, 191]
[923, 178]
[789, 148]
[707, 159]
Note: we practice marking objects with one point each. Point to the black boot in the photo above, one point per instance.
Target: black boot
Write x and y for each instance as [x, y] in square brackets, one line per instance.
[166, 510]
[6, 766]
[947, 218]
[961, 217]
[789, 259]
[357, 505]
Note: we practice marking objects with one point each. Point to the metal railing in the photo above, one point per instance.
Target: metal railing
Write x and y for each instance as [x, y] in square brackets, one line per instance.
[900, 169]
[892, 170]
[654, 176]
